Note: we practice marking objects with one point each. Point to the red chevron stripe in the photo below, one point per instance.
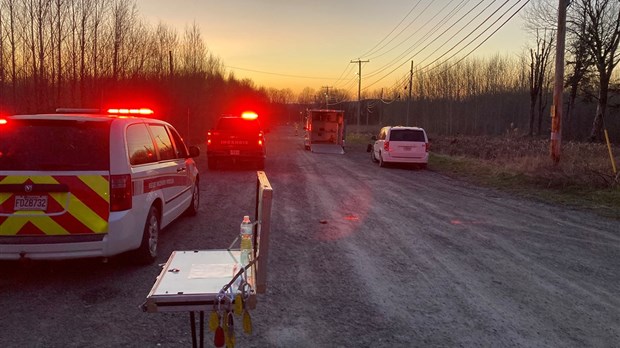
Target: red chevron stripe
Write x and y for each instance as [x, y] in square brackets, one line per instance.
[30, 229]
[86, 195]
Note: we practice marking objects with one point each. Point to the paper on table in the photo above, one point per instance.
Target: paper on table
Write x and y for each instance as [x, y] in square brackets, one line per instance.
[212, 270]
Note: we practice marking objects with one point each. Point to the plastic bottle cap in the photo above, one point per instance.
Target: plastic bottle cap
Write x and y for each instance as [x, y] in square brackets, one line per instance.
[246, 218]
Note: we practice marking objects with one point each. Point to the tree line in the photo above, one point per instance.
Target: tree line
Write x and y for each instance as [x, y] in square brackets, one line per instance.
[100, 53]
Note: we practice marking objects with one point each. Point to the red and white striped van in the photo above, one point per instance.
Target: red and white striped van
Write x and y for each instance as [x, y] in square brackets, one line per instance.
[78, 185]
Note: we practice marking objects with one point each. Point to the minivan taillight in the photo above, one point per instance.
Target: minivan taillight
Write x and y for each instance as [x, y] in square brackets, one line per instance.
[120, 192]
[427, 146]
[386, 145]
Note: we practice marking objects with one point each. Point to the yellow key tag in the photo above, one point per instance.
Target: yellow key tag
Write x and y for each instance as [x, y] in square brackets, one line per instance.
[214, 321]
[247, 322]
[238, 308]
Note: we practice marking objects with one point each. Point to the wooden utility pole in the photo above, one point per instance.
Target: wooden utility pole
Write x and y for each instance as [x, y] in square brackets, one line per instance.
[359, 89]
[326, 96]
[556, 109]
[409, 99]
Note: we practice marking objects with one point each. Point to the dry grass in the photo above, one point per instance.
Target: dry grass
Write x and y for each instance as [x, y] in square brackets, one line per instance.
[583, 178]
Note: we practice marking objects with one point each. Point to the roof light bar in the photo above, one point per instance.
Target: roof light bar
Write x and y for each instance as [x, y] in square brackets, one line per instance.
[141, 111]
[249, 115]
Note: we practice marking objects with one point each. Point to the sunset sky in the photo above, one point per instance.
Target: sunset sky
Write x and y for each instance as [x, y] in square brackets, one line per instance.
[302, 43]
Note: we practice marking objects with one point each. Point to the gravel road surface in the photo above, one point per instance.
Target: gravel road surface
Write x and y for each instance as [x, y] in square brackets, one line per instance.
[361, 256]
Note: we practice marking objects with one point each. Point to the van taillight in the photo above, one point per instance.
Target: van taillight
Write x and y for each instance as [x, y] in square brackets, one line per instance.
[120, 192]
[428, 146]
[386, 145]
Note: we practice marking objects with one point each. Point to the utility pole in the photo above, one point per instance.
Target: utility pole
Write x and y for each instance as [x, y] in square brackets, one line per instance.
[556, 109]
[409, 100]
[359, 89]
[327, 96]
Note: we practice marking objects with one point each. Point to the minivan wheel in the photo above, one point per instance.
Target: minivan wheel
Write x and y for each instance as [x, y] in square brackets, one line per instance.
[373, 157]
[147, 252]
[193, 207]
[381, 163]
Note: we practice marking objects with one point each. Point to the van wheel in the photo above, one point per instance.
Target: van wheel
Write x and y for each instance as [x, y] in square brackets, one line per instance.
[147, 252]
[212, 163]
[373, 157]
[381, 163]
[192, 210]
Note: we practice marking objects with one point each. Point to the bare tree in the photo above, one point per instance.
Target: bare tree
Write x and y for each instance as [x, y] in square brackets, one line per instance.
[578, 65]
[601, 36]
[539, 64]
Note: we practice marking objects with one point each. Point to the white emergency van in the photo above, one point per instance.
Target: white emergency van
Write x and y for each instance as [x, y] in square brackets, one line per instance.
[87, 184]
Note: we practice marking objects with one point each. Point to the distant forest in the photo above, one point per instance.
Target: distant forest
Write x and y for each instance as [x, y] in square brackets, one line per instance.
[101, 53]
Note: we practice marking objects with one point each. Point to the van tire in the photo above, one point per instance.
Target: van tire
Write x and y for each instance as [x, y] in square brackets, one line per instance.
[372, 156]
[147, 252]
[192, 210]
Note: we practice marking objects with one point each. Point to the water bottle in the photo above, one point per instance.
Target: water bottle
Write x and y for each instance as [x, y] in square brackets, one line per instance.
[246, 240]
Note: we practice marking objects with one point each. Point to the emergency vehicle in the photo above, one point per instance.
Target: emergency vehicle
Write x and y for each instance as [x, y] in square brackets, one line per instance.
[236, 138]
[324, 131]
[80, 183]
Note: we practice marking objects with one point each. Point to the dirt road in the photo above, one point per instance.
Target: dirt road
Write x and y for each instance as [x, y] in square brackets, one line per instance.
[361, 256]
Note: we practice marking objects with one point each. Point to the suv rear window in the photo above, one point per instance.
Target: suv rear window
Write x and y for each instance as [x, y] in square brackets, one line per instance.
[237, 124]
[407, 135]
[54, 145]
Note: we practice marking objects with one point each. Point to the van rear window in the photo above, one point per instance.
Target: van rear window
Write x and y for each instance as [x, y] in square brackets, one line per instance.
[67, 145]
[407, 135]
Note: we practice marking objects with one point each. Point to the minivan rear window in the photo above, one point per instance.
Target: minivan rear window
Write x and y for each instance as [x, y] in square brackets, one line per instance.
[67, 145]
[407, 135]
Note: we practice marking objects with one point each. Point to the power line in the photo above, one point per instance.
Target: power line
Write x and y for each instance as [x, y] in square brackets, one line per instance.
[426, 37]
[279, 74]
[473, 31]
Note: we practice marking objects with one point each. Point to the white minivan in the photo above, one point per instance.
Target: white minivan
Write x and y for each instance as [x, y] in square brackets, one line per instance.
[398, 144]
[90, 184]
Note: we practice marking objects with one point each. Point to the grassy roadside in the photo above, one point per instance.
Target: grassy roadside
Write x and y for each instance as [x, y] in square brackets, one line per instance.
[522, 166]
[583, 179]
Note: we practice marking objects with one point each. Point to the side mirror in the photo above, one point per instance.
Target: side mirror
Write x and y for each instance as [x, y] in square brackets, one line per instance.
[374, 137]
[194, 151]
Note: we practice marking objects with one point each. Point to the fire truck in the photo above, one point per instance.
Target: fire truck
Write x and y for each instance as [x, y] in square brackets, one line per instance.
[324, 131]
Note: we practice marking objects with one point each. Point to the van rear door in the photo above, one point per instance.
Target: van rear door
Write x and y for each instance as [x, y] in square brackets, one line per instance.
[54, 179]
[407, 143]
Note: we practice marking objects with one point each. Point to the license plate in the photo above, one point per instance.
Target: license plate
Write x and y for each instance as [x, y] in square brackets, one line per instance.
[30, 202]
[235, 152]
[407, 148]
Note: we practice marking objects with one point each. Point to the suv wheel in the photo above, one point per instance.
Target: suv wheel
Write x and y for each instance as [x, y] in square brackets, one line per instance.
[147, 252]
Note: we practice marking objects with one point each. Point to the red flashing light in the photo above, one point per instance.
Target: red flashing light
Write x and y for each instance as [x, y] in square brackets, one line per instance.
[249, 115]
[3, 121]
[141, 111]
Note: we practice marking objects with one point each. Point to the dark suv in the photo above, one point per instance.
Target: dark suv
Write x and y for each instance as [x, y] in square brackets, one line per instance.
[236, 139]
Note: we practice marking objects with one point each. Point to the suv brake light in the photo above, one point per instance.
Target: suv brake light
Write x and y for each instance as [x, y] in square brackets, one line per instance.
[386, 146]
[120, 192]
